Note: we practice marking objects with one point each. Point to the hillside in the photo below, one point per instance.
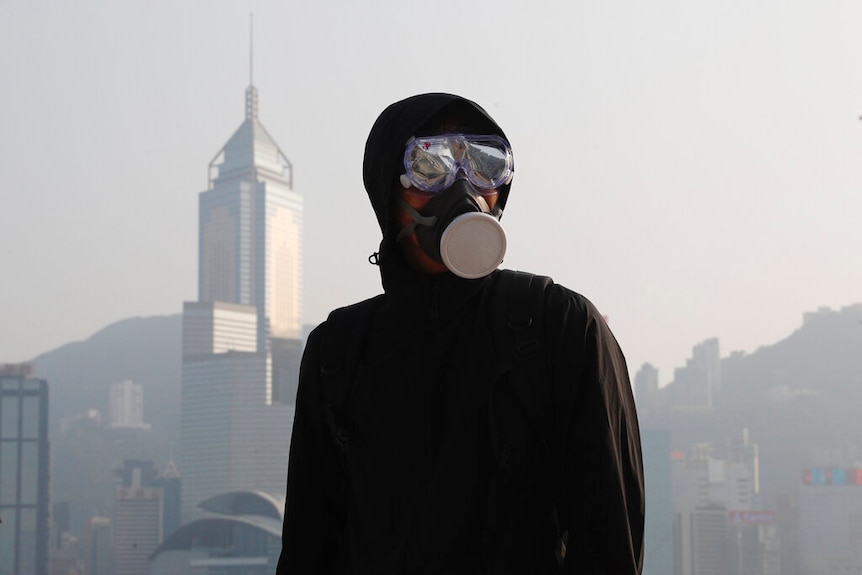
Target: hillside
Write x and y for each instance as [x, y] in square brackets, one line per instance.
[145, 350]
[798, 397]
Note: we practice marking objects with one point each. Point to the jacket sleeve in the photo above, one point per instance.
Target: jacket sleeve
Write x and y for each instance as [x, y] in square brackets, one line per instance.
[600, 488]
[312, 534]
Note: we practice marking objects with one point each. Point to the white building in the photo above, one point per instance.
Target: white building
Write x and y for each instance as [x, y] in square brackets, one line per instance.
[127, 405]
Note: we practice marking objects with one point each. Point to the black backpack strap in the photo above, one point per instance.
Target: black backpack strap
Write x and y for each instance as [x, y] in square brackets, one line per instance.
[516, 308]
[518, 312]
[343, 340]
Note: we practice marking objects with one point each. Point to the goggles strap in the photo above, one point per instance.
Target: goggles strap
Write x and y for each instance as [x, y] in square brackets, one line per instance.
[418, 220]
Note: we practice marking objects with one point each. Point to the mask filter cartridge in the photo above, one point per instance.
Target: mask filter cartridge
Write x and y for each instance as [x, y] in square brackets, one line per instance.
[473, 245]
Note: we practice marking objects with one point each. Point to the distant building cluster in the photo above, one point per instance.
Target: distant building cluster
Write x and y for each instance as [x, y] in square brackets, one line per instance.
[217, 509]
[718, 516]
[695, 386]
[704, 514]
[707, 513]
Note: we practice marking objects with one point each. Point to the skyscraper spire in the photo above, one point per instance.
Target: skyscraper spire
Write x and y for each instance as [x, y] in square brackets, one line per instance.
[251, 103]
[251, 91]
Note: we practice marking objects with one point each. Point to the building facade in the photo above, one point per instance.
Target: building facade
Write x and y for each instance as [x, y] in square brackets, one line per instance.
[24, 473]
[99, 549]
[720, 526]
[233, 435]
[830, 520]
[658, 528]
[138, 511]
[171, 484]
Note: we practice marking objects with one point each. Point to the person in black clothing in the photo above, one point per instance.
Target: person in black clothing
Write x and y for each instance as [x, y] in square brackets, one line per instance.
[469, 420]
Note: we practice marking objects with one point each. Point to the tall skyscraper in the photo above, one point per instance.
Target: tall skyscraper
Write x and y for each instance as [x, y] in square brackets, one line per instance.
[251, 230]
[24, 472]
[241, 339]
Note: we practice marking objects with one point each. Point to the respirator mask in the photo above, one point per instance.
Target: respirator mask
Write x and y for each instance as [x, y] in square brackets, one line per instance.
[457, 227]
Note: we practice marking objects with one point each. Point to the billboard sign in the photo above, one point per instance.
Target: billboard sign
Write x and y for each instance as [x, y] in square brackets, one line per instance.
[832, 476]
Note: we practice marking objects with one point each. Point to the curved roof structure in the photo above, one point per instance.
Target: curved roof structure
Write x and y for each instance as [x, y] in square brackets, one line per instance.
[255, 509]
[237, 503]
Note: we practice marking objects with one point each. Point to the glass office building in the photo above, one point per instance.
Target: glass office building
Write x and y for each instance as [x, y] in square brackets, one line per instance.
[24, 473]
[251, 230]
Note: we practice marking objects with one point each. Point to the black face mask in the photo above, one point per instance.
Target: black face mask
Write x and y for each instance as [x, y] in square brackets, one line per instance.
[459, 230]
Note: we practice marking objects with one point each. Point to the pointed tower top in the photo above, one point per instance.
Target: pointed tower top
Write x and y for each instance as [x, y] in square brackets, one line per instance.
[251, 147]
[170, 471]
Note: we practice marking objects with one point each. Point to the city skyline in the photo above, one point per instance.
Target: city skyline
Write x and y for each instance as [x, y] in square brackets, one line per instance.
[775, 390]
[711, 155]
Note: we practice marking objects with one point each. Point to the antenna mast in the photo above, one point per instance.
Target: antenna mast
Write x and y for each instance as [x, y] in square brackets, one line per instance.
[251, 49]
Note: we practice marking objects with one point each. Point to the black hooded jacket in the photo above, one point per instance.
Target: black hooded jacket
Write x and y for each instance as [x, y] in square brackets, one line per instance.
[427, 467]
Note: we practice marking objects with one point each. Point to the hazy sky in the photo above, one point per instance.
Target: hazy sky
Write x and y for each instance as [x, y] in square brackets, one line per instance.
[691, 167]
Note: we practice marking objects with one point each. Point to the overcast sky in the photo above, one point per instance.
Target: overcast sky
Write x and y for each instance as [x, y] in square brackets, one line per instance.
[691, 167]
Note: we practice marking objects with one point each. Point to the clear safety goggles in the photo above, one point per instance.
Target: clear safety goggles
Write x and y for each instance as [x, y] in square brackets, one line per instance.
[432, 163]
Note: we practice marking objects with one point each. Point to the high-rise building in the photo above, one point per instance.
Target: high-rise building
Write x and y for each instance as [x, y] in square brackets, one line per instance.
[251, 230]
[170, 482]
[658, 528]
[137, 518]
[242, 339]
[648, 396]
[99, 559]
[24, 472]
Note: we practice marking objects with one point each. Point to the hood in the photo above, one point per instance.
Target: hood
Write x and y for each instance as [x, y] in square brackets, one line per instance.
[384, 150]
